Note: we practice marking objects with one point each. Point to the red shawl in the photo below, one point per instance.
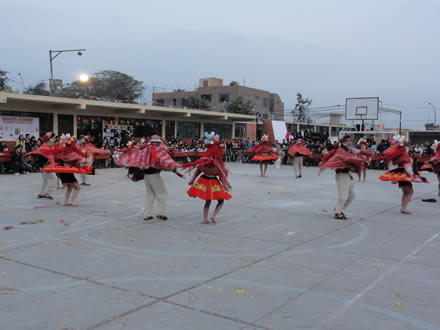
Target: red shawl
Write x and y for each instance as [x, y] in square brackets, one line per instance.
[396, 154]
[129, 150]
[70, 154]
[435, 162]
[91, 149]
[339, 159]
[212, 156]
[300, 149]
[151, 156]
[263, 148]
[45, 150]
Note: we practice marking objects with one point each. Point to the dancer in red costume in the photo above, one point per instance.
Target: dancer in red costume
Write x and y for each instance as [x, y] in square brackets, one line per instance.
[213, 184]
[264, 154]
[44, 156]
[343, 160]
[68, 159]
[146, 164]
[435, 162]
[296, 152]
[397, 156]
[363, 146]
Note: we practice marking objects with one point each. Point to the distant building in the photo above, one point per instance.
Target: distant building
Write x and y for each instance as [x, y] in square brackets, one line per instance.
[268, 104]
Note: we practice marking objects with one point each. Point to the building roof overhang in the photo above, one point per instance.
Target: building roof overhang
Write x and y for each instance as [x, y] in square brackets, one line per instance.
[122, 108]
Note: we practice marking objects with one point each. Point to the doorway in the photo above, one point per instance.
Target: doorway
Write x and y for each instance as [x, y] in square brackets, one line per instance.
[65, 124]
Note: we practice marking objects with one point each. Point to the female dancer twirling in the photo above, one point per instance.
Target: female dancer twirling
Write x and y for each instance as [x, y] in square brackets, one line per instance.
[213, 183]
[404, 174]
[264, 154]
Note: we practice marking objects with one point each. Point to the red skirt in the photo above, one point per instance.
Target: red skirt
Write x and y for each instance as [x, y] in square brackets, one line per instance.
[400, 175]
[264, 158]
[208, 189]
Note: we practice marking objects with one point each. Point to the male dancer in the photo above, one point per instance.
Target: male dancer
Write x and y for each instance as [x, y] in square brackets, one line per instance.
[152, 159]
[343, 160]
[297, 151]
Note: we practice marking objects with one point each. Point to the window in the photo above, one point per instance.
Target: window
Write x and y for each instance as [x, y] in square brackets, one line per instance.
[206, 97]
[224, 130]
[160, 102]
[174, 102]
[205, 83]
[223, 98]
[240, 130]
[265, 102]
[187, 129]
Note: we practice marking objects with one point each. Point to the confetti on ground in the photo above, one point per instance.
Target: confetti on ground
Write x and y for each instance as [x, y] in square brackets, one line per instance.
[290, 233]
[240, 291]
[397, 304]
[39, 207]
[7, 290]
[8, 227]
[378, 265]
[32, 222]
[210, 286]
[287, 316]
[324, 211]
[61, 221]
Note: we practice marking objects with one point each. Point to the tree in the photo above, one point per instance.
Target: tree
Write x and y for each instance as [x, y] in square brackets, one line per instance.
[38, 89]
[108, 85]
[239, 105]
[3, 80]
[195, 103]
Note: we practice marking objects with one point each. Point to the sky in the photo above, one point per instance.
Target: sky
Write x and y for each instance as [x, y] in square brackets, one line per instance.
[326, 49]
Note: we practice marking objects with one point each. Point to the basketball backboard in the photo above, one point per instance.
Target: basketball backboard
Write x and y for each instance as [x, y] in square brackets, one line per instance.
[362, 108]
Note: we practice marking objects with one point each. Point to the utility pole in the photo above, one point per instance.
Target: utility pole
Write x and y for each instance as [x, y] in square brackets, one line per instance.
[435, 112]
[52, 57]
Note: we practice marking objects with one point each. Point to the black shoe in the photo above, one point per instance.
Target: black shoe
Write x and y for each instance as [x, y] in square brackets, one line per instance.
[148, 218]
[161, 217]
[41, 196]
[48, 196]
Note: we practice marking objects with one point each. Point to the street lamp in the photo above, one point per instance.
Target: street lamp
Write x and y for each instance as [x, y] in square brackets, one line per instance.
[435, 112]
[84, 77]
[52, 57]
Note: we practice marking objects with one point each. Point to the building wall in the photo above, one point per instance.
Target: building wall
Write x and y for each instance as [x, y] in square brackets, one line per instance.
[264, 101]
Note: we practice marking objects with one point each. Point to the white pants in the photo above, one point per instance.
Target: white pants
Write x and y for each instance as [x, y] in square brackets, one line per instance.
[48, 184]
[84, 178]
[155, 189]
[298, 165]
[345, 191]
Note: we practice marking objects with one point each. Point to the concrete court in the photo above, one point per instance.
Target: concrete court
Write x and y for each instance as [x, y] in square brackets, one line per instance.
[276, 258]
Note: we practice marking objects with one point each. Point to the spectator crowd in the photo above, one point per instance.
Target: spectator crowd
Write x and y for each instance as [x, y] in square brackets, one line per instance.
[185, 150]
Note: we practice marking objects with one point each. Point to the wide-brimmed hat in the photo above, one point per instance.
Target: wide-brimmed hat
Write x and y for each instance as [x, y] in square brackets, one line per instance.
[155, 138]
[46, 137]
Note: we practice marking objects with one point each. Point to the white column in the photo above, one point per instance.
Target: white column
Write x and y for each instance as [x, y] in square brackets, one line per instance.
[75, 125]
[202, 129]
[163, 129]
[55, 123]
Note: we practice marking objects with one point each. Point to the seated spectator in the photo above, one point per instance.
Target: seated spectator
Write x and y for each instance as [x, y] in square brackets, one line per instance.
[18, 164]
[20, 142]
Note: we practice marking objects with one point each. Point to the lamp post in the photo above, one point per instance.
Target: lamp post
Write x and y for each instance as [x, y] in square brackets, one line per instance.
[435, 112]
[52, 57]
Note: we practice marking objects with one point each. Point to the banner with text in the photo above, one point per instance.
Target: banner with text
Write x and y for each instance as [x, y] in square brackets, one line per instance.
[11, 127]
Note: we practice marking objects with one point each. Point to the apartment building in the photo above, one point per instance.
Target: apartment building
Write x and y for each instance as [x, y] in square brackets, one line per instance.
[219, 95]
